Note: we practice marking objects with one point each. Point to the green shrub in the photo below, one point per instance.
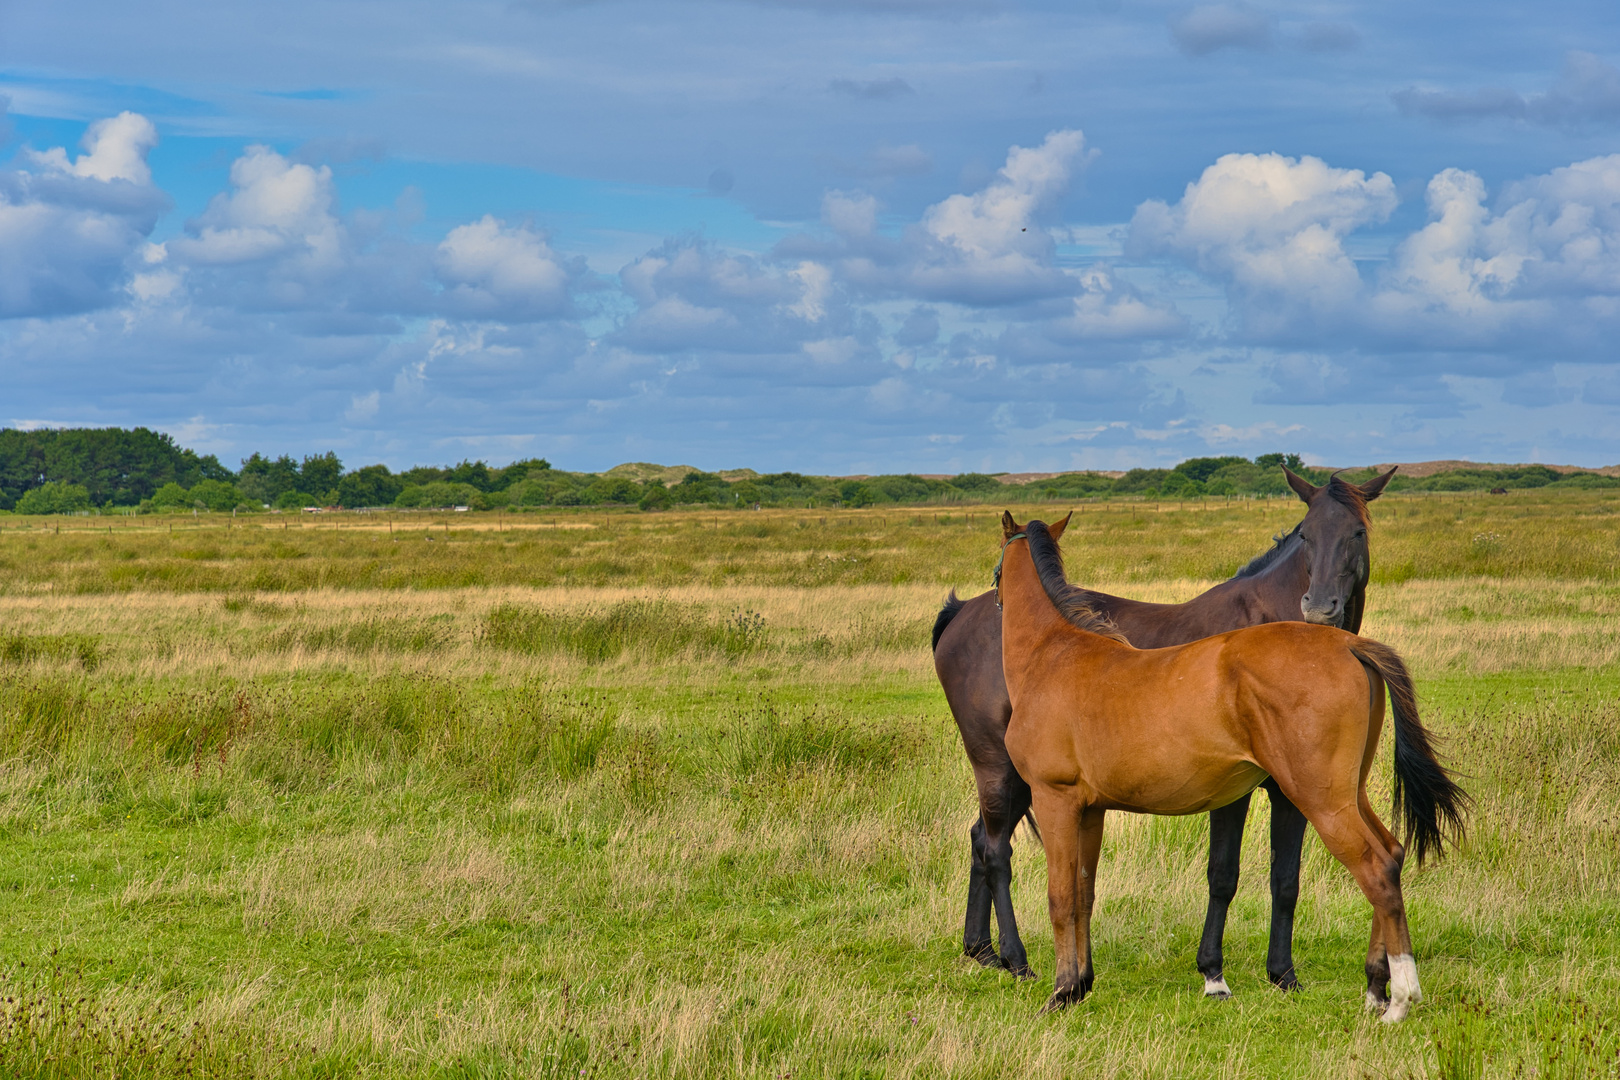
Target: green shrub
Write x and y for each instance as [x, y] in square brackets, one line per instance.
[655, 496]
[217, 495]
[53, 497]
[439, 495]
[295, 500]
[171, 496]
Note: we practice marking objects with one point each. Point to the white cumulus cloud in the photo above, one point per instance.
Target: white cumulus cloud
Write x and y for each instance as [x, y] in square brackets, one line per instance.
[71, 232]
[1547, 262]
[277, 208]
[1272, 228]
[491, 270]
[986, 248]
[115, 149]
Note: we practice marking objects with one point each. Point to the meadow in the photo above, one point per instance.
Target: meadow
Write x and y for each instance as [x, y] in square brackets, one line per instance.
[621, 794]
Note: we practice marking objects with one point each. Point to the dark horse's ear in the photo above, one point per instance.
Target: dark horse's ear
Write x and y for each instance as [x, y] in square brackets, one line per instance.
[1375, 487]
[1008, 525]
[1302, 487]
[1056, 528]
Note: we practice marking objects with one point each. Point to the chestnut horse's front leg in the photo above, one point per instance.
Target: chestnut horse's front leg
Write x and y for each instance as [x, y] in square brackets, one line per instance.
[1059, 821]
[1073, 842]
[1091, 836]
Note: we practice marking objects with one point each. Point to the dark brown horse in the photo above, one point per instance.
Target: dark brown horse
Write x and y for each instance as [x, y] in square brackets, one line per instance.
[1098, 725]
[1318, 570]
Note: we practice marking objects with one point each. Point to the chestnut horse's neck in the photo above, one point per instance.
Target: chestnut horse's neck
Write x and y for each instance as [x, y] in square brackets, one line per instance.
[1030, 613]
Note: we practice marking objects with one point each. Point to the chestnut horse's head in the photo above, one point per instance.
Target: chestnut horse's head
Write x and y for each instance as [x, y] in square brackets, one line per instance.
[1334, 534]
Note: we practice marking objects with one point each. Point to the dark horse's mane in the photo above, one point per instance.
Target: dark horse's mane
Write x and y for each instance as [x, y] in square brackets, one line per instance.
[1072, 601]
[1269, 556]
[1345, 494]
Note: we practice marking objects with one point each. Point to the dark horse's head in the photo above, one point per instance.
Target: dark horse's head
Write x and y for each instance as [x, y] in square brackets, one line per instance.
[1334, 534]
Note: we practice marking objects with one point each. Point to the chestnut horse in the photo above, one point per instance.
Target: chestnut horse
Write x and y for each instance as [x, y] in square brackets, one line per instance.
[1099, 725]
[1319, 570]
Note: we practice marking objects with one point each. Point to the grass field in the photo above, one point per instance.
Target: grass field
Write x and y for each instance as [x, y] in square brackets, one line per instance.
[677, 794]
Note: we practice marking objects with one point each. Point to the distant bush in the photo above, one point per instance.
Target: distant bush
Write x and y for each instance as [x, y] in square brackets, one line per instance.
[295, 500]
[441, 494]
[654, 496]
[1586, 480]
[54, 498]
[217, 495]
[171, 496]
[1512, 478]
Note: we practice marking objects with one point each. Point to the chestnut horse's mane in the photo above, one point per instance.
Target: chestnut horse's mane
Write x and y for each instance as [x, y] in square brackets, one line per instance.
[1072, 601]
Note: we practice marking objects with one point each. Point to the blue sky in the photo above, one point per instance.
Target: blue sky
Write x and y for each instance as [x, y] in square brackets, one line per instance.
[822, 235]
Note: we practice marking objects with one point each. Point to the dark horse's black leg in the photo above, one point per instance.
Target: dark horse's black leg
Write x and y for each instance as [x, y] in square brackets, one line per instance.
[1225, 854]
[976, 929]
[1000, 822]
[1287, 842]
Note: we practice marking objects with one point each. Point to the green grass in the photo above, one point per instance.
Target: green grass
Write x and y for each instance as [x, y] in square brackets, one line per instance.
[716, 830]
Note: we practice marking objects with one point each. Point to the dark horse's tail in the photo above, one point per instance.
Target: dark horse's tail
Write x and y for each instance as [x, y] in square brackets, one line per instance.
[946, 614]
[1432, 802]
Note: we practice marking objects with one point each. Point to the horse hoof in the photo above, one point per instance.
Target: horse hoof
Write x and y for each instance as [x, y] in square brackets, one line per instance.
[1285, 982]
[1373, 1003]
[1024, 972]
[1216, 988]
[985, 955]
[1062, 999]
[1395, 1013]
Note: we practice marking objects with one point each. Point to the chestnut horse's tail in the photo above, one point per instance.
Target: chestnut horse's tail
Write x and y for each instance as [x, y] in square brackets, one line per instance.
[1432, 802]
[946, 614]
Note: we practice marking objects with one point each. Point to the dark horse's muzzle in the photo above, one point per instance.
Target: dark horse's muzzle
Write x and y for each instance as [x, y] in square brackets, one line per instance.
[1329, 612]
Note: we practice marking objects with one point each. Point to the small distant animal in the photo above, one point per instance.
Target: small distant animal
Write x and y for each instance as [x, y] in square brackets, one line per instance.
[1498, 491]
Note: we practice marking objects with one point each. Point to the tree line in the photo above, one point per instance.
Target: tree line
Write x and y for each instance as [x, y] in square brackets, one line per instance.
[76, 470]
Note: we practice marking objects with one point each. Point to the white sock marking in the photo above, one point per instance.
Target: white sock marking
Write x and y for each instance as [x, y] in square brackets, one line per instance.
[1404, 991]
[1216, 987]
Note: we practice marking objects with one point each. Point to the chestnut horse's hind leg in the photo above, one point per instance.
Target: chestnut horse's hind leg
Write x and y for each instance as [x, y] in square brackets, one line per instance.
[1287, 844]
[1225, 856]
[976, 941]
[1359, 844]
[1378, 967]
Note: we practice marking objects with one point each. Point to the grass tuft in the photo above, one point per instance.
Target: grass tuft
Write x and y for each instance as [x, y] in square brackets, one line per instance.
[26, 648]
[655, 629]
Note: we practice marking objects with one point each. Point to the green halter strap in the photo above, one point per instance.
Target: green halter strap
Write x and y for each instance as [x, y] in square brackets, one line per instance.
[995, 578]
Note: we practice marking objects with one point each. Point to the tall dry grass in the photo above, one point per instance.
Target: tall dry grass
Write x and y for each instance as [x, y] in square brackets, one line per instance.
[1461, 625]
[1560, 535]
